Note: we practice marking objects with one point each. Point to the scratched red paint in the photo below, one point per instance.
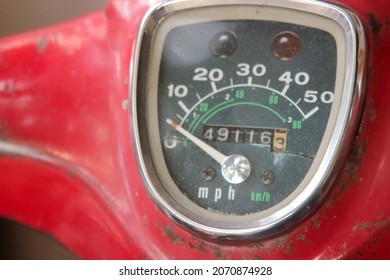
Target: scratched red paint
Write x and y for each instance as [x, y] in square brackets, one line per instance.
[72, 173]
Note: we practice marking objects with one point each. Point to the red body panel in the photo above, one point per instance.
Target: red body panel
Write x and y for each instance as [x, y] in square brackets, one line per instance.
[68, 167]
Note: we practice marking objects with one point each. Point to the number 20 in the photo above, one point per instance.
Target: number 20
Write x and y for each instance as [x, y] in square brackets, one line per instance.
[203, 74]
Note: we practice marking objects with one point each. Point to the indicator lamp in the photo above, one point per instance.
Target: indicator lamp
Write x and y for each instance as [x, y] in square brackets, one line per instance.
[286, 45]
[223, 44]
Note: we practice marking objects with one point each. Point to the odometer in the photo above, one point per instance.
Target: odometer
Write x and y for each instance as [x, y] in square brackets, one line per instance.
[244, 111]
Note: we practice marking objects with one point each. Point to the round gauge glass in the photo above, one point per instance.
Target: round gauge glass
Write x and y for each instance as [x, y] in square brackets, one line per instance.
[243, 110]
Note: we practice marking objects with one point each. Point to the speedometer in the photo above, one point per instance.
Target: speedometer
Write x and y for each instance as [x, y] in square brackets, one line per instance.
[244, 110]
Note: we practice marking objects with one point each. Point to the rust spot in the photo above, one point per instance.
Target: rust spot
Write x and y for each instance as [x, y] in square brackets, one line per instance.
[301, 236]
[355, 159]
[366, 225]
[370, 111]
[356, 155]
[169, 232]
[382, 224]
[352, 165]
[257, 245]
[280, 243]
[218, 253]
[289, 249]
[200, 247]
[375, 25]
[316, 221]
[283, 243]
[329, 202]
[361, 226]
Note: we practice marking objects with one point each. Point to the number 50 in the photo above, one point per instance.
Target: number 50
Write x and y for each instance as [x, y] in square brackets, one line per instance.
[311, 96]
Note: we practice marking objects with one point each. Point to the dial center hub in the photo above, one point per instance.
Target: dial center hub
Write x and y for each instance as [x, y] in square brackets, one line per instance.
[236, 169]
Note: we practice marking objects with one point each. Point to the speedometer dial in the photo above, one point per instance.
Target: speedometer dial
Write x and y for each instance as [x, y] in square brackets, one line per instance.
[244, 111]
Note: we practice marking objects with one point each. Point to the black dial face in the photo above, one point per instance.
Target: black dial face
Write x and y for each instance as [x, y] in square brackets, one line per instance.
[242, 109]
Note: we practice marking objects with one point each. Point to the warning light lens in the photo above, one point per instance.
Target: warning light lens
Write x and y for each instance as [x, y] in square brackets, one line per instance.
[223, 44]
[286, 45]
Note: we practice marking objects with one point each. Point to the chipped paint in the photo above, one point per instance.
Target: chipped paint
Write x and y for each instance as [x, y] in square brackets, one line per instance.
[145, 219]
[7, 86]
[42, 44]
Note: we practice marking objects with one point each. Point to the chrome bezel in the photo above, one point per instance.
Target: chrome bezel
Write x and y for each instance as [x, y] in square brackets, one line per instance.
[343, 128]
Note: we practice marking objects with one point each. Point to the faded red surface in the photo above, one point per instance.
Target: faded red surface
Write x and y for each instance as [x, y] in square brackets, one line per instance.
[67, 165]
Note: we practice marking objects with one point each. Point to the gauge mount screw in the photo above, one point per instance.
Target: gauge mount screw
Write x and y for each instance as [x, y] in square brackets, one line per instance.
[268, 177]
[209, 173]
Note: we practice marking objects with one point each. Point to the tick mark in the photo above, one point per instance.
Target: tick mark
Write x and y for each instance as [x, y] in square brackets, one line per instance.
[184, 107]
[311, 113]
[214, 86]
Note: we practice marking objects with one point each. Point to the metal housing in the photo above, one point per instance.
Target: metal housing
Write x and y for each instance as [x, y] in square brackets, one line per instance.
[336, 144]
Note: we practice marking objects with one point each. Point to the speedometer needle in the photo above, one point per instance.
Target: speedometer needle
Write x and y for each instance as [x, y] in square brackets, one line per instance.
[235, 168]
[218, 156]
